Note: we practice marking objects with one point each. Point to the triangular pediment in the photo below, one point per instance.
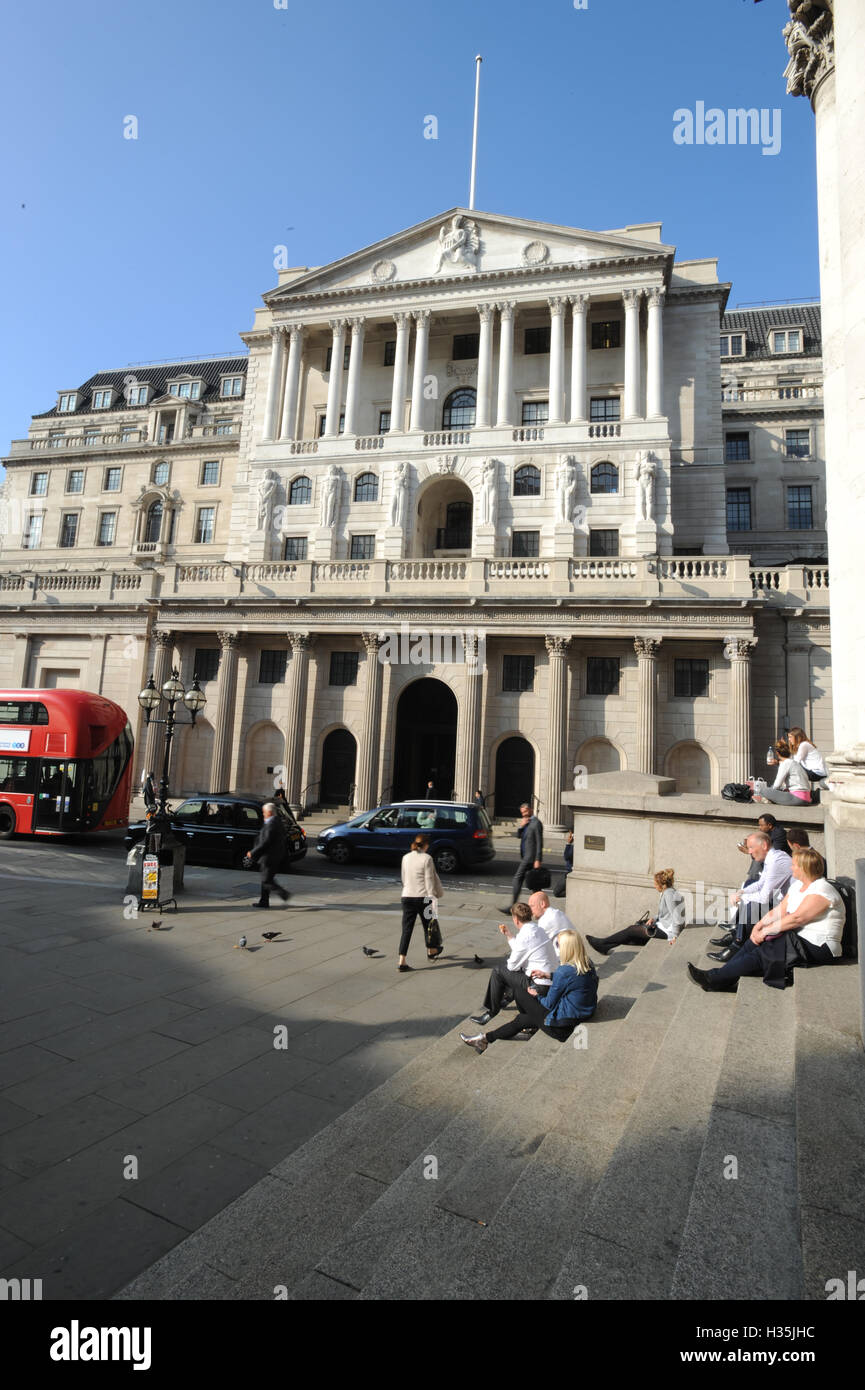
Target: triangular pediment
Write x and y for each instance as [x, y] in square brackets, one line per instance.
[463, 244]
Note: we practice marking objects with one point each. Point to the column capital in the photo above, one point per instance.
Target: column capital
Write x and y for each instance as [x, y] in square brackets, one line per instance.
[402, 319]
[357, 323]
[277, 330]
[506, 308]
[557, 646]
[485, 312]
[655, 297]
[337, 325]
[421, 317]
[372, 641]
[557, 304]
[163, 637]
[739, 648]
[301, 641]
[647, 646]
[293, 326]
[579, 303]
[229, 641]
[632, 298]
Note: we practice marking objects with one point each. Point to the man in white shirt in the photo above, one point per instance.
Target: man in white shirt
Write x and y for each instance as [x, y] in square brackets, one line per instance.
[552, 919]
[531, 951]
[753, 900]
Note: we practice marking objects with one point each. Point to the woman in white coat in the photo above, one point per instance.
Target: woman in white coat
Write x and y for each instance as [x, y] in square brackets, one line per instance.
[420, 885]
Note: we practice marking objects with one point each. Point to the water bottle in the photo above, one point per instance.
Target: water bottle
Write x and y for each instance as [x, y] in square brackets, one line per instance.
[770, 756]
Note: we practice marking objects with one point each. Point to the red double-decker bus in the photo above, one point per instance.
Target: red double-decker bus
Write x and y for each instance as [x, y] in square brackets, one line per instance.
[65, 763]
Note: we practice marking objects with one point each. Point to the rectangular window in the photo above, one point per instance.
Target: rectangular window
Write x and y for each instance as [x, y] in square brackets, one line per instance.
[67, 402]
[536, 340]
[107, 528]
[225, 429]
[518, 673]
[390, 352]
[232, 386]
[137, 395]
[465, 346]
[607, 333]
[362, 548]
[101, 400]
[68, 530]
[92, 436]
[210, 473]
[536, 412]
[32, 538]
[271, 667]
[75, 480]
[185, 390]
[343, 668]
[322, 423]
[604, 408]
[732, 344]
[525, 545]
[797, 444]
[57, 439]
[112, 480]
[603, 542]
[738, 509]
[204, 524]
[38, 484]
[383, 421]
[789, 341]
[737, 446]
[345, 358]
[295, 548]
[205, 667]
[603, 674]
[690, 677]
[800, 510]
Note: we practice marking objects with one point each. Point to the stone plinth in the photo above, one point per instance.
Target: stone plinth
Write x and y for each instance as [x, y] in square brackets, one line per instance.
[563, 539]
[645, 538]
[393, 543]
[323, 539]
[485, 542]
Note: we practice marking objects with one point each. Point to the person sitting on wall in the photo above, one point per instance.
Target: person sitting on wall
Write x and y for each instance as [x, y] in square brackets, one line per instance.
[666, 925]
[804, 929]
[756, 896]
[792, 785]
[806, 754]
[571, 998]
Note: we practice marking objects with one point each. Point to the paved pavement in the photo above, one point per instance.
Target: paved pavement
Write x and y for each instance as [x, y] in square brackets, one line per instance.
[148, 1077]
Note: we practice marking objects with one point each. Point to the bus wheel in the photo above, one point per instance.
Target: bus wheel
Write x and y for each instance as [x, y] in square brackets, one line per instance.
[7, 822]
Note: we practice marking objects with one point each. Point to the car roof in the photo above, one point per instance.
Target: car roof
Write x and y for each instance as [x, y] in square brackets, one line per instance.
[420, 801]
[224, 796]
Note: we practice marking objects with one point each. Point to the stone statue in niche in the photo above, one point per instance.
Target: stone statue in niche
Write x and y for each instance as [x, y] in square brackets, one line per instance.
[567, 481]
[266, 492]
[330, 496]
[645, 475]
[399, 496]
[489, 493]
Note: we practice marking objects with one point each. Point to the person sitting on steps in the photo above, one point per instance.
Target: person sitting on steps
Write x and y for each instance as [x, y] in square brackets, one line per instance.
[756, 895]
[666, 926]
[571, 998]
[531, 951]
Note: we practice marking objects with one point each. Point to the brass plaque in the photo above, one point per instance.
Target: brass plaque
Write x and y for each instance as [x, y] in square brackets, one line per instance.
[594, 842]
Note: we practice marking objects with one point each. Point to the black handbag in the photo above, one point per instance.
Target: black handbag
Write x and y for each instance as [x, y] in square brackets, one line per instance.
[536, 879]
[432, 934]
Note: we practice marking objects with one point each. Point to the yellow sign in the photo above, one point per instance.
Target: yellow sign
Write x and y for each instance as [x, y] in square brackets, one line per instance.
[150, 881]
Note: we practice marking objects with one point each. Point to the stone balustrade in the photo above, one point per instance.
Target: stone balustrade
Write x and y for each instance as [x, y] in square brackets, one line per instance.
[792, 582]
[767, 394]
[107, 440]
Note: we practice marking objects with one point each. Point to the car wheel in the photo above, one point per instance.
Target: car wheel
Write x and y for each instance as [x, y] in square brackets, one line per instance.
[7, 822]
[446, 861]
[340, 853]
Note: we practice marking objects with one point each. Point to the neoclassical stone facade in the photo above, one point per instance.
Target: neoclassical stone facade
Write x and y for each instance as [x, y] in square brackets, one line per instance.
[480, 520]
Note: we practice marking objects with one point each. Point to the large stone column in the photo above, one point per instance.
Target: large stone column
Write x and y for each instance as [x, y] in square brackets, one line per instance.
[355, 363]
[298, 677]
[655, 355]
[798, 653]
[738, 652]
[647, 679]
[632, 353]
[366, 772]
[274, 382]
[334, 390]
[288, 426]
[421, 348]
[400, 372]
[557, 648]
[483, 416]
[223, 724]
[154, 733]
[469, 762]
[557, 360]
[579, 305]
[504, 407]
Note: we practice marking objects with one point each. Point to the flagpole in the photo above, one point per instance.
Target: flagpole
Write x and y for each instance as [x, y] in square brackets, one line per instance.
[478, 61]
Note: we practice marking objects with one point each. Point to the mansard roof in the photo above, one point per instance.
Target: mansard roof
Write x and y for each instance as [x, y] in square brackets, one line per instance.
[757, 323]
[156, 375]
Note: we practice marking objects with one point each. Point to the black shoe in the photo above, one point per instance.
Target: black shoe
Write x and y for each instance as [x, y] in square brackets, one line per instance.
[726, 940]
[723, 956]
[699, 977]
[479, 1043]
[598, 946]
[506, 909]
[481, 1019]
[285, 896]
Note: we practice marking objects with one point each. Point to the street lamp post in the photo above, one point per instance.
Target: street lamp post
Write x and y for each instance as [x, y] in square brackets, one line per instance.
[149, 699]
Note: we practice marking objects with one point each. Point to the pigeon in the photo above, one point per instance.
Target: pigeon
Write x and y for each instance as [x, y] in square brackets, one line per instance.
[478, 960]
[367, 951]
[270, 935]
[241, 945]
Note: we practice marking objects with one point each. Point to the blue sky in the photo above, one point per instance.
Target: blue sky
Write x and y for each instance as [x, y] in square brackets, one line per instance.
[304, 126]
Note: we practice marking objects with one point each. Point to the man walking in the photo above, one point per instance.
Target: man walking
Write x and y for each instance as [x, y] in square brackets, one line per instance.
[267, 852]
[531, 835]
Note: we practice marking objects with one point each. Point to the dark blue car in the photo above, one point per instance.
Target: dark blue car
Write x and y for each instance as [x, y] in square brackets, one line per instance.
[460, 834]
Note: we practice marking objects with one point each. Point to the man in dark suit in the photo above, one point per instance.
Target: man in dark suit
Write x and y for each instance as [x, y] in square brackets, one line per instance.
[531, 835]
[267, 852]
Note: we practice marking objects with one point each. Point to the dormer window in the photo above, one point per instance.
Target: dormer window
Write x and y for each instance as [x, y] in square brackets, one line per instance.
[231, 386]
[186, 390]
[67, 402]
[102, 399]
[786, 339]
[137, 395]
[732, 344]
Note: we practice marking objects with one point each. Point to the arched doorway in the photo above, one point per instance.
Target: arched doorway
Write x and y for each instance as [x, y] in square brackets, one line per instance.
[426, 739]
[444, 518]
[690, 765]
[338, 757]
[515, 775]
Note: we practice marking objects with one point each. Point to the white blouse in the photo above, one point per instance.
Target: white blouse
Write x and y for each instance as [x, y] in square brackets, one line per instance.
[828, 928]
[808, 756]
[792, 775]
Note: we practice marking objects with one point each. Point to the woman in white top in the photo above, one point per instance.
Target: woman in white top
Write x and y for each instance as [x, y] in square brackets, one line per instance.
[666, 926]
[792, 785]
[805, 753]
[420, 885]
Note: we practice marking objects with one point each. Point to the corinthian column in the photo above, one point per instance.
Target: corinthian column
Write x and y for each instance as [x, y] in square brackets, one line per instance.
[738, 653]
[355, 362]
[485, 367]
[223, 724]
[632, 352]
[334, 390]
[370, 733]
[274, 382]
[400, 372]
[557, 648]
[421, 347]
[153, 737]
[298, 675]
[655, 355]
[287, 429]
[647, 654]
[580, 304]
[506, 363]
[468, 771]
[557, 360]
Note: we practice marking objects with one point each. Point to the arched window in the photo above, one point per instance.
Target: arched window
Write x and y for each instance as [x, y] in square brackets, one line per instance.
[459, 409]
[527, 481]
[605, 478]
[161, 473]
[366, 488]
[153, 526]
[300, 493]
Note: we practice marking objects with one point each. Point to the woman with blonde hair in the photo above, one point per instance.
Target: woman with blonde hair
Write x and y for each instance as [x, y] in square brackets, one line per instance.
[666, 926]
[569, 998]
[421, 885]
